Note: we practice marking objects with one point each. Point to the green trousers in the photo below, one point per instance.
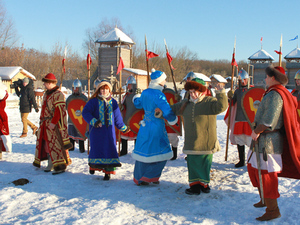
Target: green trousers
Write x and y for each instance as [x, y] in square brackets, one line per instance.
[199, 168]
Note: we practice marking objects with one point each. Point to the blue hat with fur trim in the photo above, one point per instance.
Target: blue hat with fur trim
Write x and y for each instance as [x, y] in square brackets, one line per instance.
[157, 76]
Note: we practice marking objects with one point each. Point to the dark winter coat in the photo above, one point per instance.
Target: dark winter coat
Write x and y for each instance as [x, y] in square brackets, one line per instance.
[27, 98]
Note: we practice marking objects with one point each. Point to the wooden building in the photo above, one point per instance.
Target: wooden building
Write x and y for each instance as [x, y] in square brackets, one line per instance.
[9, 74]
[292, 66]
[260, 60]
[139, 75]
[113, 44]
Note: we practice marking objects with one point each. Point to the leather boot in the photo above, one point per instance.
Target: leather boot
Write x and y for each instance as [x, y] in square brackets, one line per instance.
[81, 146]
[124, 143]
[272, 210]
[50, 165]
[174, 149]
[241, 150]
[260, 204]
[73, 144]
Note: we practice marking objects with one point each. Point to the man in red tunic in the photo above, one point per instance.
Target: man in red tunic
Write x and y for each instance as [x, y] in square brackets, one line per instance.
[5, 141]
[52, 137]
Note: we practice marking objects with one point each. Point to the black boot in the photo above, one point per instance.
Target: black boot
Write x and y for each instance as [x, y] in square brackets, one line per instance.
[73, 144]
[124, 147]
[174, 149]
[106, 177]
[81, 146]
[194, 190]
[241, 149]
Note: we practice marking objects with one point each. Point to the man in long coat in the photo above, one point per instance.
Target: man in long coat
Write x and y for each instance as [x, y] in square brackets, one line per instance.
[52, 137]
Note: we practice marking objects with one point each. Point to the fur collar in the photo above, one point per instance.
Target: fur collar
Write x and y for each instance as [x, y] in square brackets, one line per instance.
[156, 86]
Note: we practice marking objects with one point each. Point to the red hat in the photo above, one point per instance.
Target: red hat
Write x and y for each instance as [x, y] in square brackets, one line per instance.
[279, 73]
[49, 78]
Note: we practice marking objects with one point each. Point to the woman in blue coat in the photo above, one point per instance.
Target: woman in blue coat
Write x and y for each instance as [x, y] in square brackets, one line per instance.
[102, 113]
[152, 149]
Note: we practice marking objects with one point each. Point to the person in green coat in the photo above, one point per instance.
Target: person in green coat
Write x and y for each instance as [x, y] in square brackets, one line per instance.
[199, 114]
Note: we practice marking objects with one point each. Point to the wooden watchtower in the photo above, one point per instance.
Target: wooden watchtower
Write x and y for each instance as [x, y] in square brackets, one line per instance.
[260, 60]
[292, 66]
[113, 44]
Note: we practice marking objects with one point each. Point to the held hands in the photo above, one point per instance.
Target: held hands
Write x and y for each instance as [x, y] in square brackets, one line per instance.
[98, 124]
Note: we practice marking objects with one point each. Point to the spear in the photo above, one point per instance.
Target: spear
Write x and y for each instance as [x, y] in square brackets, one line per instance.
[280, 55]
[146, 50]
[89, 62]
[63, 68]
[171, 68]
[233, 63]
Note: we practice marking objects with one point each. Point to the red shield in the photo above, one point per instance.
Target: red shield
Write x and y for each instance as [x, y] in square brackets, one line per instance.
[75, 107]
[135, 119]
[250, 102]
[177, 128]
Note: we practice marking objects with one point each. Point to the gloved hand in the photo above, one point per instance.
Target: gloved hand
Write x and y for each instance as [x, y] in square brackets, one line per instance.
[98, 124]
[177, 97]
[37, 110]
[230, 94]
[138, 91]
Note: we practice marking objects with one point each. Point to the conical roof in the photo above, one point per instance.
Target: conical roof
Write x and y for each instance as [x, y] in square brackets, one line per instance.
[294, 54]
[261, 55]
[114, 36]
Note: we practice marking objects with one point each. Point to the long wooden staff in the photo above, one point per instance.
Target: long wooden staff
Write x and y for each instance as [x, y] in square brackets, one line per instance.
[120, 97]
[172, 72]
[63, 68]
[89, 88]
[229, 109]
[280, 52]
[147, 61]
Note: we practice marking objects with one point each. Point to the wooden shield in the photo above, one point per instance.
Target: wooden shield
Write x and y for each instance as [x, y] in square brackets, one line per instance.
[75, 107]
[250, 102]
[135, 119]
[170, 95]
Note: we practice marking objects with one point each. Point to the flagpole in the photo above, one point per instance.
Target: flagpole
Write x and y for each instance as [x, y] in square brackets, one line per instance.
[280, 55]
[63, 68]
[147, 62]
[89, 73]
[229, 109]
[172, 73]
[120, 93]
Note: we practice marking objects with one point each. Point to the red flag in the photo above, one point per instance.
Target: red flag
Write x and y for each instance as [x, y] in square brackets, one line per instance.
[63, 64]
[233, 62]
[88, 61]
[169, 57]
[121, 65]
[261, 39]
[279, 53]
[150, 55]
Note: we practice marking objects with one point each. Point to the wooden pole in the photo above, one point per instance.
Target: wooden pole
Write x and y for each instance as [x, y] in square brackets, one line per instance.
[172, 73]
[147, 61]
[89, 90]
[280, 55]
[229, 109]
[63, 68]
[120, 93]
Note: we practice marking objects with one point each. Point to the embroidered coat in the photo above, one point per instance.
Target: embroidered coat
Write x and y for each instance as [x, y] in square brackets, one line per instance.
[56, 140]
[103, 150]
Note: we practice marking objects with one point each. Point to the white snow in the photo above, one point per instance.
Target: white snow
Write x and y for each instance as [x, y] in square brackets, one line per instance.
[76, 197]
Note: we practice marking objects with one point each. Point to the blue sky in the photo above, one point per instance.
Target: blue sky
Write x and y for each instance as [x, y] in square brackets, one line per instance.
[207, 28]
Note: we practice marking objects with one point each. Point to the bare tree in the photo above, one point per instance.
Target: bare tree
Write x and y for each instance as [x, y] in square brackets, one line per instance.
[8, 33]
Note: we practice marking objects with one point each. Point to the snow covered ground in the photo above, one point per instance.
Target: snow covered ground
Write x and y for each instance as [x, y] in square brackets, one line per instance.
[76, 197]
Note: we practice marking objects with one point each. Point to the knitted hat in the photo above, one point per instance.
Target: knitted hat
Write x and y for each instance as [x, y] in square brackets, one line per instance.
[279, 73]
[196, 83]
[49, 78]
[157, 76]
[104, 82]
[26, 80]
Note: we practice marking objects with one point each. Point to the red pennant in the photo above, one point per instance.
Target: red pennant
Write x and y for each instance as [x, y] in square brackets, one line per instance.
[121, 65]
[88, 61]
[233, 62]
[151, 54]
[169, 57]
[279, 53]
[63, 64]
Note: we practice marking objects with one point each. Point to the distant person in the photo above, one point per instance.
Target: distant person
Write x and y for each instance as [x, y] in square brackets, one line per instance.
[278, 142]
[5, 140]
[152, 149]
[27, 100]
[73, 133]
[52, 137]
[102, 113]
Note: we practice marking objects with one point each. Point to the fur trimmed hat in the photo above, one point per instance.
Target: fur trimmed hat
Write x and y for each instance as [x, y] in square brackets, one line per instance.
[196, 83]
[157, 76]
[104, 82]
[279, 73]
[50, 78]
